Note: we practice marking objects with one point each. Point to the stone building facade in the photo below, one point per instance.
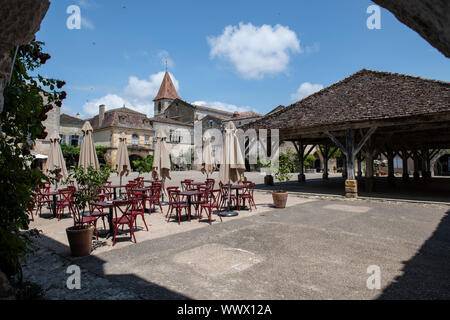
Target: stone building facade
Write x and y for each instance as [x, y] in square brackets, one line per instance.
[109, 125]
[70, 130]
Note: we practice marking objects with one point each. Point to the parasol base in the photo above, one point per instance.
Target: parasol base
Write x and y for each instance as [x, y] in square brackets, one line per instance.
[228, 214]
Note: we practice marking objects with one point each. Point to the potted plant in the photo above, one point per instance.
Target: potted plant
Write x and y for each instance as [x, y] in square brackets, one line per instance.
[282, 174]
[89, 183]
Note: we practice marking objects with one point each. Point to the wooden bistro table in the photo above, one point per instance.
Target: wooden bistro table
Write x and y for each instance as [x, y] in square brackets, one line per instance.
[114, 187]
[189, 195]
[54, 195]
[237, 187]
[198, 184]
[110, 206]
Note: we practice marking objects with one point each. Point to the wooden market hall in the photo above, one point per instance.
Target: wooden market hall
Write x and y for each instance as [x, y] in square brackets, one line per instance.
[367, 114]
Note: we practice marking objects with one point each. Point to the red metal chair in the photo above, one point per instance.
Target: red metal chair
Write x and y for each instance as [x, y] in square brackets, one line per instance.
[247, 194]
[199, 199]
[170, 189]
[65, 201]
[80, 219]
[97, 211]
[177, 204]
[108, 190]
[210, 184]
[154, 197]
[125, 217]
[186, 184]
[130, 188]
[43, 198]
[138, 207]
[212, 201]
[225, 194]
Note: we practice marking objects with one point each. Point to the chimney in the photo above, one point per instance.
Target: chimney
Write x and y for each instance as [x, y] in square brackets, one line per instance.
[101, 114]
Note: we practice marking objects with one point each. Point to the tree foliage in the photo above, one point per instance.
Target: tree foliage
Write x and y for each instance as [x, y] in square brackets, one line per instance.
[27, 99]
[144, 165]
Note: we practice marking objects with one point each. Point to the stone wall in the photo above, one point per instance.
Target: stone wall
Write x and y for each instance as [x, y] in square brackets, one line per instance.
[180, 112]
[19, 21]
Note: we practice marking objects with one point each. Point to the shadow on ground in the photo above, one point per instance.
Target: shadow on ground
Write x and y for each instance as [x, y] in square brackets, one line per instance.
[131, 282]
[427, 274]
[433, 190]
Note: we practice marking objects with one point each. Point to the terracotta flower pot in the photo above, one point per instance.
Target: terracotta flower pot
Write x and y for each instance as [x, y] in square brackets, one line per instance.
[80, 240]
[279, 199]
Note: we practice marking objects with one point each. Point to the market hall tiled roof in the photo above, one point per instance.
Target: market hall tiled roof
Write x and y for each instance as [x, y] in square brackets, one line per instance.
[363, 96]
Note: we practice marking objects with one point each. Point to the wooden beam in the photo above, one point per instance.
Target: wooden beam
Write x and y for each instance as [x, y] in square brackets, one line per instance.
[364, 140]
[309, 151]
[336, 142]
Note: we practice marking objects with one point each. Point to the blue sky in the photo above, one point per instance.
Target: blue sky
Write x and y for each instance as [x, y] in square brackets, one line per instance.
[235, 55]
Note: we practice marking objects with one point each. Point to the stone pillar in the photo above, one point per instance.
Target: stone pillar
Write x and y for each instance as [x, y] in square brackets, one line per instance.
[351, 188]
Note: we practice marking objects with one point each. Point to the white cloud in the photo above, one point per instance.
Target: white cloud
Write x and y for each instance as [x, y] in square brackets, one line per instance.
[67, 110]
[305, 90]
[313, 48]
[137, 95]
[86, 23]
[222, 106]
[255, 51]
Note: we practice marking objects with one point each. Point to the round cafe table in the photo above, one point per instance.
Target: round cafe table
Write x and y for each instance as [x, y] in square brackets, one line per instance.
[188, 194]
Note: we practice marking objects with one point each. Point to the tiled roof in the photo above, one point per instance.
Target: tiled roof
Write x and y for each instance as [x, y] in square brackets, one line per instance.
[365, 95]
[134, 119]
[167, 89]
[170, 121]
[67, 119]
[208, 109]
[245, 115]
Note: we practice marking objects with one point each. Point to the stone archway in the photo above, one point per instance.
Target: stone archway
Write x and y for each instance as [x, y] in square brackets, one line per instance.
[434, 163]
[134, 157]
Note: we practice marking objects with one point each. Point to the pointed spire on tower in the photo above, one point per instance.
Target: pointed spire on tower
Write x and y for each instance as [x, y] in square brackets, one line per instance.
[167, 89]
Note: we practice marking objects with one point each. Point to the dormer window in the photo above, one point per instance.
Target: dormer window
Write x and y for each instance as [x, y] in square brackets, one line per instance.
[146, 122]
[122, 119]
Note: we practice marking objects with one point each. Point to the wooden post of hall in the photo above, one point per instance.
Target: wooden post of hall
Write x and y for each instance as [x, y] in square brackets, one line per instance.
[359, 157]
[350, 151]
[404, 154]
[416, 165]
[326, 154]
[390, 155]
[301, 158]
[351, 184]
[369, 155]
